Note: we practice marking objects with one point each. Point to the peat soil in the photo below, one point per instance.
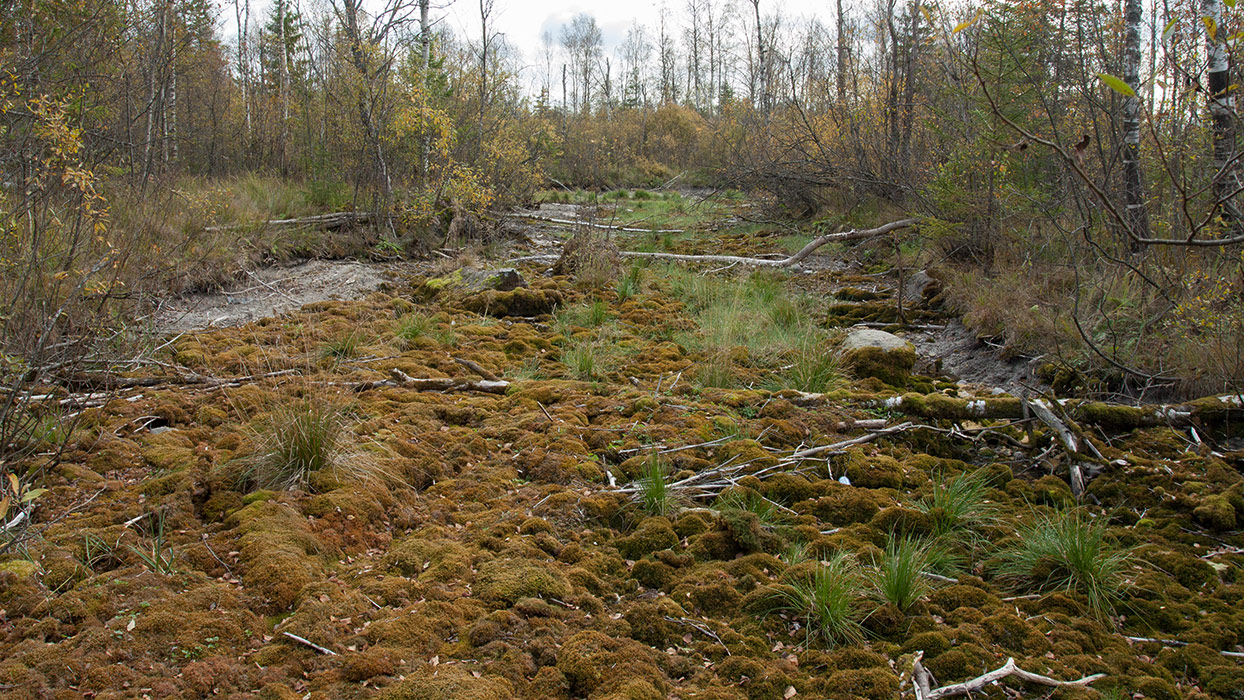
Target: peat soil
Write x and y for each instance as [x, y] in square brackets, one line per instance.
[484, 545]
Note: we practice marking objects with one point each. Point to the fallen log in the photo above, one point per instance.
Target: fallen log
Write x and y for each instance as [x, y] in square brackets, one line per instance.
[487, 386]
[333, 220]
[590, 224]
[854, 235]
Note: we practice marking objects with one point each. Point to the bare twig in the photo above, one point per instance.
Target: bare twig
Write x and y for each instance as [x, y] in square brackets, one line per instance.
[313, 645]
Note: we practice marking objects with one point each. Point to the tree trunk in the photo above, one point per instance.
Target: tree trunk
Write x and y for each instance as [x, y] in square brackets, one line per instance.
[425, 64]
[842, 56]
[1137, 214]
[1222, 115]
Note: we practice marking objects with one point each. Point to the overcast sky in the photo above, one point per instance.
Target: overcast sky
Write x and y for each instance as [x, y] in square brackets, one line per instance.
[523, 21]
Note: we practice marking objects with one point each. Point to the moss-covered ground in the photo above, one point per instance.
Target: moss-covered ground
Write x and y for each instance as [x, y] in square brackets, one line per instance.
[471, 545]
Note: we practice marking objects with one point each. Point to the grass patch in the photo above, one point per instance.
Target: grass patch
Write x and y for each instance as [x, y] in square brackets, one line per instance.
[958, 505]
[828, 602]
[655, 496]
[1069, 551]
[757, 314]
[898, 577]
[296, 441]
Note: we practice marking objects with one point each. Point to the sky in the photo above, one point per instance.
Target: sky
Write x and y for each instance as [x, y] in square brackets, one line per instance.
[523, 21]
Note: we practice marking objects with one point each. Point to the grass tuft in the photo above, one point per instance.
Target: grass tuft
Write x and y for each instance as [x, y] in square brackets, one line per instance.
[898, 577]
[958, 505]
[829, 602]
[413, 326]
[1069, 551]
[767, 512]
[342, 347]
[296, 441]
[580, 358]
[631, 283]
[655, 495]
[814, 368]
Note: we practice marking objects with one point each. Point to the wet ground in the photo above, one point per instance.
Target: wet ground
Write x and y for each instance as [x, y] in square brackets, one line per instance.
[483, 545]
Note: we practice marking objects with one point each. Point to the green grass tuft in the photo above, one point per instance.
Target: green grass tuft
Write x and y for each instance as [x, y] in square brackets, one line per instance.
[829, 602]
[655, 495]
[580, 358]
[342, 347]
[898, 576]
[958, 505]
[814, 368]
[412, 326]
[1069, 551]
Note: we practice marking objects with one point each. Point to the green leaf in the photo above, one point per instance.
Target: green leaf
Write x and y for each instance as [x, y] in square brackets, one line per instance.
[964, 25]
[1229, 3]
[1117, 84]
[1169, 31]
[32, 495]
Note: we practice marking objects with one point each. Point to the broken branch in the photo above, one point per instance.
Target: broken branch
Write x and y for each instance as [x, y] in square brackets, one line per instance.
[922, 680]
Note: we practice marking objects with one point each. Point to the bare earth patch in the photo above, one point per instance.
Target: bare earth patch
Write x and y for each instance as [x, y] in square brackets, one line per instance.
[271, 291]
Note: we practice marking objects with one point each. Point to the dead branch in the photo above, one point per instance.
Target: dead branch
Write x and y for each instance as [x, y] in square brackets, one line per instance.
[854, 235]
[699, 627]
[922, 680]
[333, 220]
[487, 386]
[476, 368]
[1177, 643]
[313, 645]
[1211, 410]
[1069, 440]
[839, 446]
